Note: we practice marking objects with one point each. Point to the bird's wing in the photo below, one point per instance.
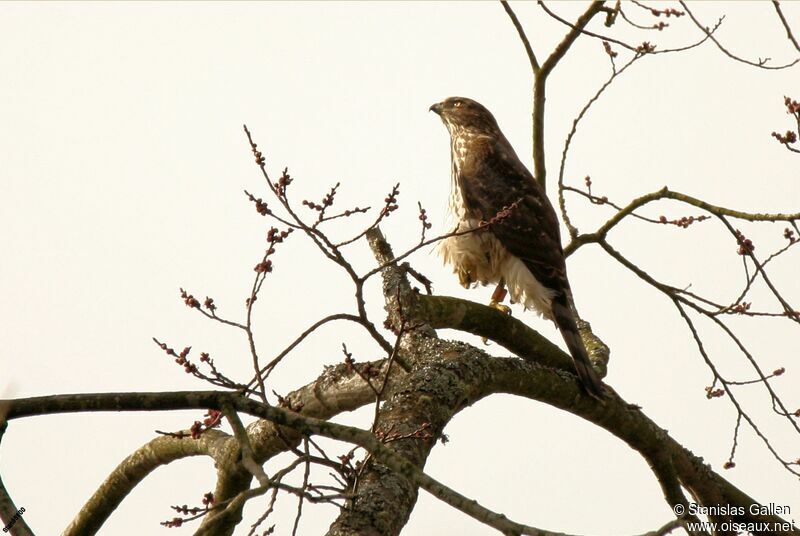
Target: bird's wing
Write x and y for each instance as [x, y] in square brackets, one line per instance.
[495, 178]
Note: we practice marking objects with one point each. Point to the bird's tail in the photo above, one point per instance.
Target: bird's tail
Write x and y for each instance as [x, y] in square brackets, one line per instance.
[565, 320]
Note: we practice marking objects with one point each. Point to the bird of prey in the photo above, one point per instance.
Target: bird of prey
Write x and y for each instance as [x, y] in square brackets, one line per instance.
[519, 249]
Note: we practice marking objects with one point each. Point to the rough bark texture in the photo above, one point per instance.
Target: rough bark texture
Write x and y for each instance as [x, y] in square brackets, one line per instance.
[427, 399]
[445, 377]
[337, 390]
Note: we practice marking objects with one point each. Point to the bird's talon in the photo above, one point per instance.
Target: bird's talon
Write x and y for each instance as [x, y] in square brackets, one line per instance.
[500, 307]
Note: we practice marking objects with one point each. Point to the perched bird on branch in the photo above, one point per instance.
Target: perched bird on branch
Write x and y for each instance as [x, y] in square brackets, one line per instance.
[516, 241]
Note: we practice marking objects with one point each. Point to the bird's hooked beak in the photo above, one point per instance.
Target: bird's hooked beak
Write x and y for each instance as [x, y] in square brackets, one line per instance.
[436, 108]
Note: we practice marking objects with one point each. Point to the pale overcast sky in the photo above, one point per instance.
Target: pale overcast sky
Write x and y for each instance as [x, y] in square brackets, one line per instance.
[122, 165]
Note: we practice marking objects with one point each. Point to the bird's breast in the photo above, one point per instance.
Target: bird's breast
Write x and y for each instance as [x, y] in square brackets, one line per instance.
[465, 147]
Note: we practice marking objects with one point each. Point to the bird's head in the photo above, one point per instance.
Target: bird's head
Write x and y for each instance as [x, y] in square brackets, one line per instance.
[461, 113]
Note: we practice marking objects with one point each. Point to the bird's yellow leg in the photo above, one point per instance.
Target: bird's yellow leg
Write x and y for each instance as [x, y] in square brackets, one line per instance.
[498, 296]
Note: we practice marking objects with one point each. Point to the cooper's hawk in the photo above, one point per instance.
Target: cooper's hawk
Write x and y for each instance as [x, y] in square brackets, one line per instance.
[522, 249]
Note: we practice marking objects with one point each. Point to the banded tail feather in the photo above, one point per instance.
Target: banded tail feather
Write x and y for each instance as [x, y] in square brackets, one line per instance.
[565, 321]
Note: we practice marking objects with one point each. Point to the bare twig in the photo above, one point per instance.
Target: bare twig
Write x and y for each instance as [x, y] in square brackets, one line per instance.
[761, 63]
[786, 26]
[580, 29]
[540, 85]
[248, 461]
[524, 38]
[573, 231]
[303, 489]
[269, 367]
[679, 302]
[666, 193]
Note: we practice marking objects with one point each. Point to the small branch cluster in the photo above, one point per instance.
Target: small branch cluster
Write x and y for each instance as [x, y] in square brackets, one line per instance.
[746, 246]
[668, 12]
[216, 377]
[425, 224]
[213, 419]
[609, 50]
[327, 201]
[789, 138]
[274, 237]
[190, 513]
[283, 183]
[191, 301]
[389, 206]
[684, 221]
[645, 48]
[501, 215]
[181, 358]
[391, 201]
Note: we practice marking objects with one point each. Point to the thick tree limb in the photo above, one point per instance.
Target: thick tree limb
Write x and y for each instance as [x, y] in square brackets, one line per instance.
[446, 312]
[446, 378]
[630, 424]
[133, 469]
[490, 375]
[337, 390]
[392, 460]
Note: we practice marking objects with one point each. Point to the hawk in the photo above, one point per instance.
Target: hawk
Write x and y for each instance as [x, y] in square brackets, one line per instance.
[521, 249]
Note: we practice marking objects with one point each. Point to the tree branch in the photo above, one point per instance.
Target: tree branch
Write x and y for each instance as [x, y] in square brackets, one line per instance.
[761, 63]
[392, 460]
[133, 469]
[786, 26]
[524, 38]
[666, 193]
[446, 312]
[483, 375]
[540, 85]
